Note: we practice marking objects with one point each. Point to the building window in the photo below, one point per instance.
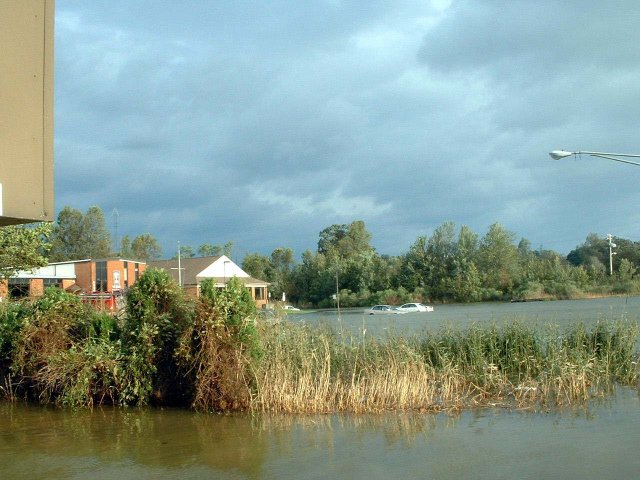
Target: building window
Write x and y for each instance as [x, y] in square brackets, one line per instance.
[52, 282]
[259, 293]
[18, 287]
[136, 268]
[101, 276]
[125, 274]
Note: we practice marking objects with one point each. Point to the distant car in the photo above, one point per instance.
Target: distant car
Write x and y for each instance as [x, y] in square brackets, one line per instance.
[382, 310]
[291, 307]
[415, 307]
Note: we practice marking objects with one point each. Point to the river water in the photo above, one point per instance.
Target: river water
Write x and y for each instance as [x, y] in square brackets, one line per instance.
[596, 441]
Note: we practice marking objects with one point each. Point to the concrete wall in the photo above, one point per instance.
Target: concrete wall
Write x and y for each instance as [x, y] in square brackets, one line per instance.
[26, 111]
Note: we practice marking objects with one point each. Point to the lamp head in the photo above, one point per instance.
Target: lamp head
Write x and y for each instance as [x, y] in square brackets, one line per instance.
[559, 154]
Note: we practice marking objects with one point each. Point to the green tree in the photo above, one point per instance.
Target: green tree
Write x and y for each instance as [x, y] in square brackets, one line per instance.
[385, 272]
[258, 266]
[465, 283]
[276, 269]
[593, 247]
[348, 254]
[415, 265]
[281, 264]
[429, 264]
[210, 250]
[125, 247]
[313, 280]
[145, 247]
[626, 270]
[76, 236]
[23, 247]
[346, 241]
[498, 259]
[186, 251]
[66, 236]
[95, 238]
[467, 247]
[441, 250]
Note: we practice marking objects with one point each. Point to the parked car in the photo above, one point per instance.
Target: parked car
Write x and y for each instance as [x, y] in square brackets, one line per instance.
[415, 307]
[382, 310]
[291, 308]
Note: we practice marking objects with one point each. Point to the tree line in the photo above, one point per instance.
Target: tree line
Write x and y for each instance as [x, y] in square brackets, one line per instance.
[76, 235]
[453, 264]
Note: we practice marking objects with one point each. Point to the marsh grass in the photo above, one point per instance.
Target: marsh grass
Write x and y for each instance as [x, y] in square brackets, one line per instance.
[211, 355]
[314, 370]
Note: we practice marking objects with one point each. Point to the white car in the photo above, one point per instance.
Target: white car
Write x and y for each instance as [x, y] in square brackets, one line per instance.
[382, 310]
[291, 308]
[415, 307]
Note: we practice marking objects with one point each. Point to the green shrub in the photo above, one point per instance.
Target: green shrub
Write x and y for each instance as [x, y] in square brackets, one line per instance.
[47, 349]
[13, 316]
[156, 316]
[220, 346]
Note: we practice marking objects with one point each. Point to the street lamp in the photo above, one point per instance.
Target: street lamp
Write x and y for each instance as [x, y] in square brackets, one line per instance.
[560, 154]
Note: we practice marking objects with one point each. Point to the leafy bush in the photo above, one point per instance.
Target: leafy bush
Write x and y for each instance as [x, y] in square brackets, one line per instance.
[13, 316]
[219, 347]
[156, 316]
[563, 290]
[62, 351]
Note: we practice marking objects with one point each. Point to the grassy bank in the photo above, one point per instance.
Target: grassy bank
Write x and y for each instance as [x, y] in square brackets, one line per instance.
[209, 354]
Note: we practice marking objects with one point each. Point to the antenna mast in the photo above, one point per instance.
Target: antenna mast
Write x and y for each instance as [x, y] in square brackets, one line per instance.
[115, 215]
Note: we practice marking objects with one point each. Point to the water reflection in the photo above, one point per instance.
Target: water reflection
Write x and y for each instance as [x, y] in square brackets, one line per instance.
[595, 441]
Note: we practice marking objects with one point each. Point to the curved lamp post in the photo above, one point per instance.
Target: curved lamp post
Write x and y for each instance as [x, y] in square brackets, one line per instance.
[560, 154]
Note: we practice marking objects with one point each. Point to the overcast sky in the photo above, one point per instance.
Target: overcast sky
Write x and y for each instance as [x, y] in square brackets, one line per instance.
[262, 123]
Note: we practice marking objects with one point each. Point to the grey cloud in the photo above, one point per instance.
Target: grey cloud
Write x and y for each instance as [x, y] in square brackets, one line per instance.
[208, 122]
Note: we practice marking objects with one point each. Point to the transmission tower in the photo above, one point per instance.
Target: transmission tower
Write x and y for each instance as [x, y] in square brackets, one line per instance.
[115, 215]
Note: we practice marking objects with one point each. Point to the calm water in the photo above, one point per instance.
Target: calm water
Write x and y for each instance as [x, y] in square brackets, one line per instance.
[594, 442]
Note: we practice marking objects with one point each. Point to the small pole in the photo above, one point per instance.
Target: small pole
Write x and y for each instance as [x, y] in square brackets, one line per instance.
[611, 253]
[179, 267]
[337, 295]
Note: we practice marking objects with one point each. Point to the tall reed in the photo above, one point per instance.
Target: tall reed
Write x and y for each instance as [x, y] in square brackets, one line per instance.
[316, 369]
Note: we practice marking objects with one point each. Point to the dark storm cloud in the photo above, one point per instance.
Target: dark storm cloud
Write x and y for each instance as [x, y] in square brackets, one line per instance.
[264, 123]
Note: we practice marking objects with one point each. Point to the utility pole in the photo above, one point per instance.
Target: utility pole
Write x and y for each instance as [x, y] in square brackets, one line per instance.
[611, 253]
[179, 267]
[337, 295]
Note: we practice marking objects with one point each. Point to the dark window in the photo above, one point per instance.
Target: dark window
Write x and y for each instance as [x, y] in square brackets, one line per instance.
[259, 293]
[125, 274]
[52, 282]
[136, 268]
[101, 276]
[18, 287]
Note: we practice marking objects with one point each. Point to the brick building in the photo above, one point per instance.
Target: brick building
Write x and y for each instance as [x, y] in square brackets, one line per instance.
[82, 276]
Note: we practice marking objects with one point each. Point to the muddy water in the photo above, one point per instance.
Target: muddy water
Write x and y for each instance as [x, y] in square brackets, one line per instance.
[562, 313]
[600, 441]
[597, 442]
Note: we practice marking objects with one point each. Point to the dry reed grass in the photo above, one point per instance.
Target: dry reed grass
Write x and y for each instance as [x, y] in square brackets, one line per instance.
[315, 370]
